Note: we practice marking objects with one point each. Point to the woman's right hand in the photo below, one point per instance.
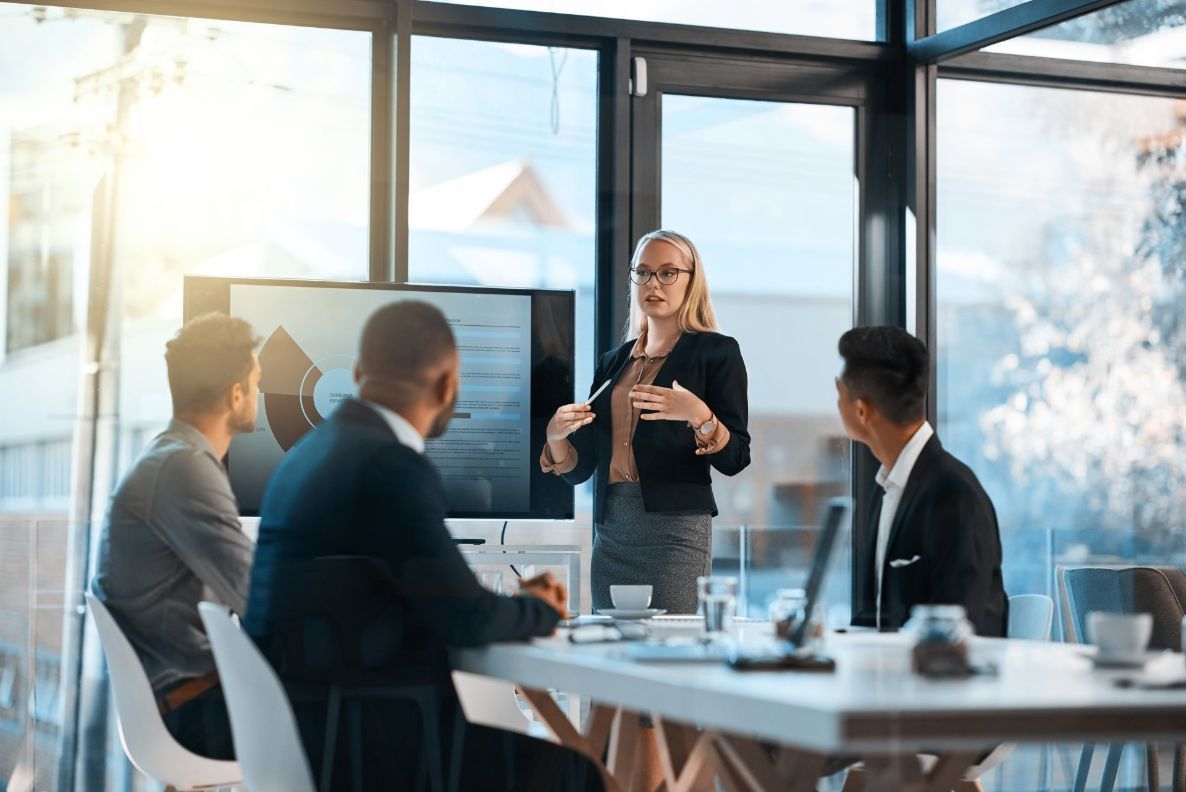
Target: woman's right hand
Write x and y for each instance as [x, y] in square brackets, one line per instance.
[568, 419]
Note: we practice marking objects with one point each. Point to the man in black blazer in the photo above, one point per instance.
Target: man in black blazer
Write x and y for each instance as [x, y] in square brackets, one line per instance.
[932, 537]
[358, 484]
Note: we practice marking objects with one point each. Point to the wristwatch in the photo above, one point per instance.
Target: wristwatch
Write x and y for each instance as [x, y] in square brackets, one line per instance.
[708, 427]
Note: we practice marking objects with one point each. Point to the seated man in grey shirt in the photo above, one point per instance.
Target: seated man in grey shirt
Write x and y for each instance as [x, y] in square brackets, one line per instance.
[172, 536]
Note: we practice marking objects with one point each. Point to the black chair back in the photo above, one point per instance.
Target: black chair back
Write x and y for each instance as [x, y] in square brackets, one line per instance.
[1128, 590]
[339, 617]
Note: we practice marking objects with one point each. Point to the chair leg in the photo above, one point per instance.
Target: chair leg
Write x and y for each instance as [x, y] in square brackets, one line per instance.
[1111, 767]
[356, 744]
[1178, 782]
[1084, 768]
[432, 741]
[1152, 767]
[333, 707]
[457, 750]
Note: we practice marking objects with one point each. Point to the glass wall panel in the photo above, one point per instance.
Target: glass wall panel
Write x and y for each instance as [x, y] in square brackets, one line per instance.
[767, 191]
[1138, 32]
[135, 149]
[1062, 350]
[851, 19]
[504, 188]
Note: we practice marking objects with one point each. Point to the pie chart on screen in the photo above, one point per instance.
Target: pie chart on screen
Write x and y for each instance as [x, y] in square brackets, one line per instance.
[300, 392]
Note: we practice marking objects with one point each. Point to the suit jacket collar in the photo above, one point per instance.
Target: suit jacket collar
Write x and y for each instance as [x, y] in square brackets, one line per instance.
[921, 473]
[404, 432]
[353, 411]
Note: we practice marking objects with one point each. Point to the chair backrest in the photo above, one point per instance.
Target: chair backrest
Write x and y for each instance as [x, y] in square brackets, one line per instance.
[1030, 617]
[146, 741]
[334, 616]
[264, 728]
[1126, 590]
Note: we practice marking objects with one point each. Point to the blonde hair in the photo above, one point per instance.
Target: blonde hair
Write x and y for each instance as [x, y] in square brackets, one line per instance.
[696, 314]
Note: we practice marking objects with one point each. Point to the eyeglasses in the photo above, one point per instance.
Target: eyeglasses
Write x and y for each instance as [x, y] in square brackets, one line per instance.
[666, 275]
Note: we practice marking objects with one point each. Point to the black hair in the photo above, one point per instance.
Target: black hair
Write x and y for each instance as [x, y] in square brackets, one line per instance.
[889, 368]
[205, 358]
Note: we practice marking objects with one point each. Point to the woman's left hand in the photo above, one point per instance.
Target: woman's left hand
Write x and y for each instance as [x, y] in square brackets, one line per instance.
[670, 404]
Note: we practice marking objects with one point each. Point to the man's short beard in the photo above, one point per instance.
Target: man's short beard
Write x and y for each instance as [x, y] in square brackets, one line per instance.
[441, 422]
[243, 423]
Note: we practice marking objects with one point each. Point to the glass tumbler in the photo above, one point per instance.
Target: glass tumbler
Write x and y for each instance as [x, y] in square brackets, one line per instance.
[718, 598]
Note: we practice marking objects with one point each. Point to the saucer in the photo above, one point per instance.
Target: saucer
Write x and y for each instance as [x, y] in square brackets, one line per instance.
[1137, 660]
[623, 613]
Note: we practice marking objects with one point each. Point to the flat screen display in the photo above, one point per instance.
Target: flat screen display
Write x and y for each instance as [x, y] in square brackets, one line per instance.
[516, 350]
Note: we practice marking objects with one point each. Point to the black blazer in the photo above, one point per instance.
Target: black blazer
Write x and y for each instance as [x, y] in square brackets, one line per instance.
[672, 476]
[350, 488]
[946, 519]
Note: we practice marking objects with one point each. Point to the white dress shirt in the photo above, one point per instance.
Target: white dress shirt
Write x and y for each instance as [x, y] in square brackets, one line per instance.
[405, 433]
[894, 482]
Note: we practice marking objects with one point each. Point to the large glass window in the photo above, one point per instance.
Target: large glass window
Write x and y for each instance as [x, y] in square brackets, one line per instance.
[953, 13]
[143, 148]
[768, 192]
[1062, 352]
[1138, 32]
[853, 19]
[504, 189]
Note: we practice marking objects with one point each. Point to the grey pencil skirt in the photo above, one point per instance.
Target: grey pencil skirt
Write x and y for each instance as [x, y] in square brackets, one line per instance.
[667, 550]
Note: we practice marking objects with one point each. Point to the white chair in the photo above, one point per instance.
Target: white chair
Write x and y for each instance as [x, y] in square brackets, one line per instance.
[266, 738]
[492, 702]
[1030, 617]
[146, 741]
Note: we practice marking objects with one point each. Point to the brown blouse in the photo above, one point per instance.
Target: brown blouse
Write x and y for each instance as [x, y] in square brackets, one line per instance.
[641, 370]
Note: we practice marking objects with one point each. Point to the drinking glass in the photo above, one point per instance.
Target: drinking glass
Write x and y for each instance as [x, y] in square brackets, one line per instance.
[718, 597]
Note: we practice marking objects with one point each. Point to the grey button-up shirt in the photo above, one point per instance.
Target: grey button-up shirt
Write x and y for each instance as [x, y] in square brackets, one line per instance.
[172, 539]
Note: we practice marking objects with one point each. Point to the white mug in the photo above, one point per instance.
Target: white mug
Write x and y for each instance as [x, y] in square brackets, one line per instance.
[1119, 634]
[631, 597]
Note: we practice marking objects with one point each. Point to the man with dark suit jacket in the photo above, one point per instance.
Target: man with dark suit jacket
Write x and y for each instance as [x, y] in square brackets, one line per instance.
[932, 537]
[358, 484]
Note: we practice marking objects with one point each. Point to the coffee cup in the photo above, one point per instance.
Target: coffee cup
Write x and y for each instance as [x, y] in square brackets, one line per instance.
[630, 597]
[1119, 634]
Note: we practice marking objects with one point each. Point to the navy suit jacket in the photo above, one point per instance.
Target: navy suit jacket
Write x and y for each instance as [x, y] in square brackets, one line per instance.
[946, 520]
[350, 488]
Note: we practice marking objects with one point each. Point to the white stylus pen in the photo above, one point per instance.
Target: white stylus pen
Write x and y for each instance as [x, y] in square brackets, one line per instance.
[597, 392]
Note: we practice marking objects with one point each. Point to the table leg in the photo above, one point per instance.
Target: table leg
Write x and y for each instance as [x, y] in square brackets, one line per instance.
[553, 717]
[622, 743]
[685, 755]
[949, 771]
[750, 761]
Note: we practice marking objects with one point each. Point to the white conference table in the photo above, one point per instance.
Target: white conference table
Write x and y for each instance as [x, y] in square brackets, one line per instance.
[872, 705]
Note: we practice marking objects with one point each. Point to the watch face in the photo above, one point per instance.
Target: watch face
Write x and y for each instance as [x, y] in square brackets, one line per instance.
[707, 427]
